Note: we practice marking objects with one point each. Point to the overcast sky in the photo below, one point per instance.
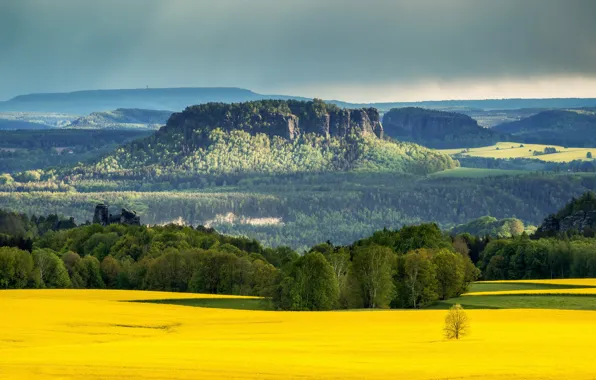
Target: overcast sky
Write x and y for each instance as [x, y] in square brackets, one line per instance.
[353, 50]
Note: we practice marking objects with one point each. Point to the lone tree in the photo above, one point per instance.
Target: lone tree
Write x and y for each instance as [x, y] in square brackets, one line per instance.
[456, 323]
[589, 155]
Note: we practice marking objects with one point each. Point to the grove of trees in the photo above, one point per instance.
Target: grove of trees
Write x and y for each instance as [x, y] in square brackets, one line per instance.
[407, 268]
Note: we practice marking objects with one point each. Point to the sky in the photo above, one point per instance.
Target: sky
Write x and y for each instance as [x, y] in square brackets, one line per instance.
[351, 50]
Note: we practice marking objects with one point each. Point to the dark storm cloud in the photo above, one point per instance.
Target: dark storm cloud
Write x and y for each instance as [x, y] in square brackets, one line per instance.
[57, 45]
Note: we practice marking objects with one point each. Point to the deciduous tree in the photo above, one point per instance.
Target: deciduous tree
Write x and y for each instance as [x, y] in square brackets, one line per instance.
[457, 324]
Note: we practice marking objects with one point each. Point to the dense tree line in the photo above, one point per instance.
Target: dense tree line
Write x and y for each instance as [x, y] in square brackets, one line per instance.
[411, 267]
[551, 252]
[303, 210]
[407, 268]
[170, 258]
[523, 258]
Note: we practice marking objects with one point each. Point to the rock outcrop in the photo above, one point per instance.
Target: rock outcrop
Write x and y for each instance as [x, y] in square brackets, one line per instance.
[580, 222]
[287, 119]
[126, 217]
[577, 217]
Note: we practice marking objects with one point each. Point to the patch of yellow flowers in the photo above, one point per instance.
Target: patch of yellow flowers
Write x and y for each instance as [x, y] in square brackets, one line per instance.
[590, 284]
[83, 334]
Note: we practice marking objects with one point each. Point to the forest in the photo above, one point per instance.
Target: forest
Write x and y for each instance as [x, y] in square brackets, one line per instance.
[302, 210]
[370, 273]
[23, 150]
[287, 173]
[568, 127]
[410, 267]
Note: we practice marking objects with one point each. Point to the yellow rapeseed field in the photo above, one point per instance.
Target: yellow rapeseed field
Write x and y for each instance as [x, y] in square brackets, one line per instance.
[558, 281]
[82, 334]
[574, 291]
[590, 284]
[519, 150]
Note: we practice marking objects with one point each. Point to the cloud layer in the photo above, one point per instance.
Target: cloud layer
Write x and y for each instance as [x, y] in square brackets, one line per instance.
[348, 49]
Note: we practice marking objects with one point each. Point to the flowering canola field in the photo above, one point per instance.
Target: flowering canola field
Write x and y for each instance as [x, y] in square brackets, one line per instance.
[83, 334]
[589, 283]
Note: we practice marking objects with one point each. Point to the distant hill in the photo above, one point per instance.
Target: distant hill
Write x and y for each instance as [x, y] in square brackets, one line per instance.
[123, 119]
[573, 127]
[490, 226]
[267, 137]
[436, 129]
[466, 106]
[85, 102]
[9, 124]
[491, 118]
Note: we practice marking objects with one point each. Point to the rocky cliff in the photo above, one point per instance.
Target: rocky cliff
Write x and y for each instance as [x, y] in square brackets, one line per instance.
[436, 129]
[102, 216]
[288, 119]
[267, 137]
[577, 217]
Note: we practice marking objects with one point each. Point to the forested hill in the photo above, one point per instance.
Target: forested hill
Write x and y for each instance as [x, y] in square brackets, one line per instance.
[574, 127]
[266, 137]
[436, 129]
[123, 118]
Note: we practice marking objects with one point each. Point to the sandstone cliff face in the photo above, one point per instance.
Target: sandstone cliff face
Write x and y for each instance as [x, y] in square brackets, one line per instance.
[126, 217]
[289, 120]
[579, 221]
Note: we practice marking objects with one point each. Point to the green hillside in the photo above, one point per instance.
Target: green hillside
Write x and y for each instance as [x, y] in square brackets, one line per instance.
[266, 137]
[491, 226]
[123, 118]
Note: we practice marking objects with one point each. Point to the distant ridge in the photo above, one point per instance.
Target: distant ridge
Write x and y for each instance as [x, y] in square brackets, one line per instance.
[85, 102]
[568, 127]
[436, 129]
[177, 99]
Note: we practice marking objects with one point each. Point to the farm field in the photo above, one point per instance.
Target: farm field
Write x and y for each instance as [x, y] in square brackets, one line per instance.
[462, 172]
[519, 150]
[567, 294]
[74, 334]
